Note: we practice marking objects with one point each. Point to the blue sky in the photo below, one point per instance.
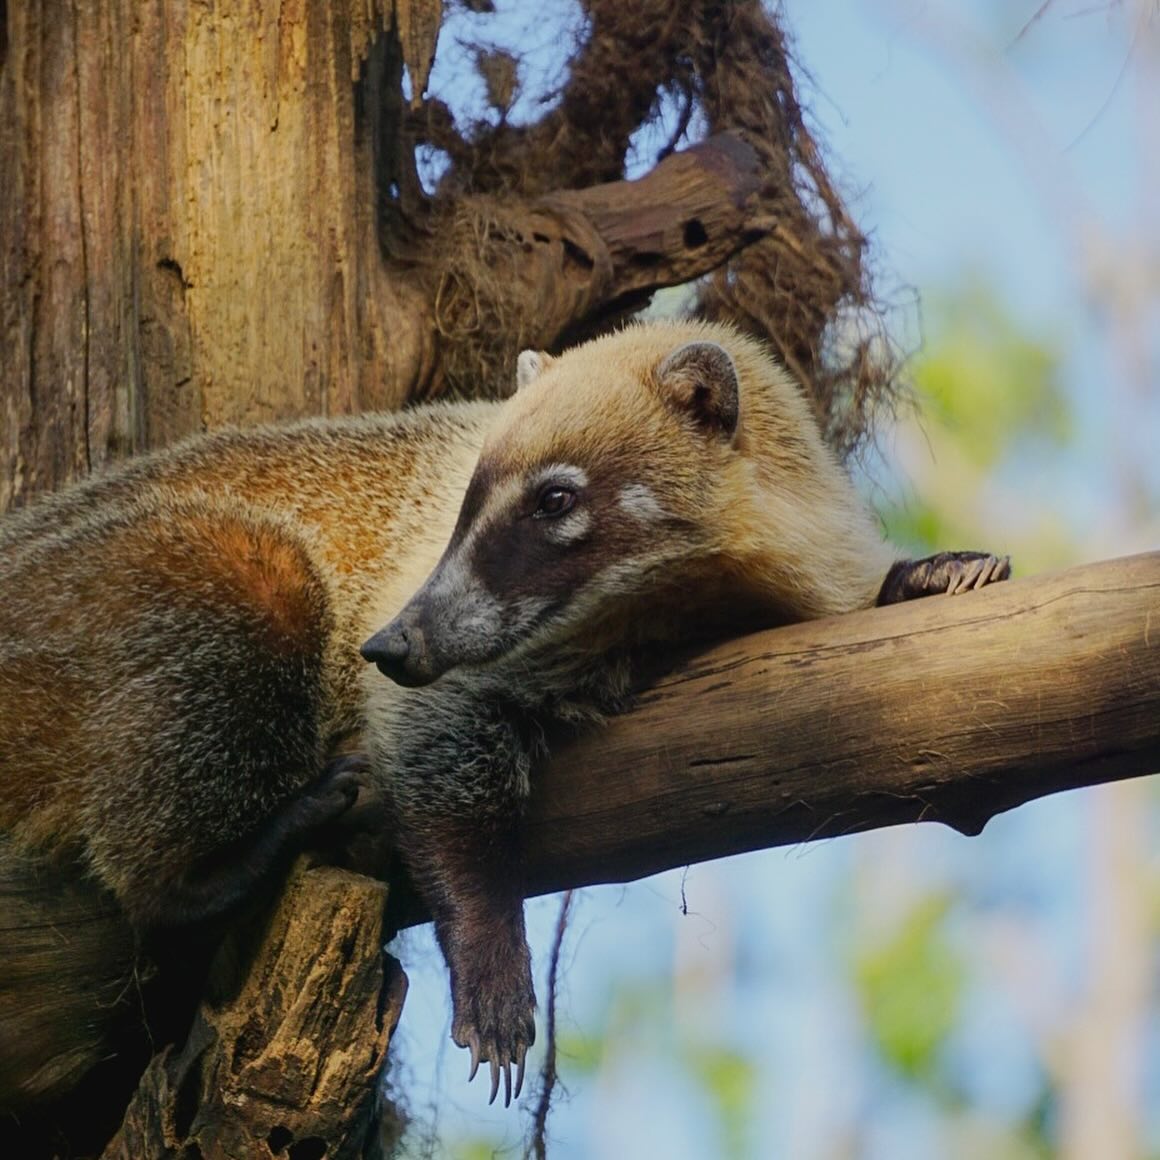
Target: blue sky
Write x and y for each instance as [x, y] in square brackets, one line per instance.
[1032, 163]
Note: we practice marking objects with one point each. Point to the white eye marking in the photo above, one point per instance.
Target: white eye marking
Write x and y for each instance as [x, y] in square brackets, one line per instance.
[640, 503]
[572, 527]
[564, 474]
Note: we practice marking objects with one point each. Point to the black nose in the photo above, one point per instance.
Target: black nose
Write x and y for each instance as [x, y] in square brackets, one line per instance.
[389, 648]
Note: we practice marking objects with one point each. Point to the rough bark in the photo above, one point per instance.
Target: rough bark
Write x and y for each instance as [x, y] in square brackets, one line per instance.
[285, 1052]
[689, 215]
[195, 226]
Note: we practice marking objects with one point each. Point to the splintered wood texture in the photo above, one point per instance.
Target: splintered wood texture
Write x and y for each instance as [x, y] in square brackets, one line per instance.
[948, 709]
[285, 1051]
[186, 227]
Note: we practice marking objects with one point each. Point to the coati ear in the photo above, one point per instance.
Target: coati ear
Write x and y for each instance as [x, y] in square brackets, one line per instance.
[700, 379]
[530, 365]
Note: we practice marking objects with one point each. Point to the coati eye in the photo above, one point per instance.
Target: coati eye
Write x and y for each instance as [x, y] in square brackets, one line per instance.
[554, 501]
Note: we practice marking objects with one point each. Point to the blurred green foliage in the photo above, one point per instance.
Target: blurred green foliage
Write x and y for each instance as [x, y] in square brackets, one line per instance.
[730, 1078]
[641, 1013]
[985, 381]
[476, 1149]
[910, 988]
[991, 406]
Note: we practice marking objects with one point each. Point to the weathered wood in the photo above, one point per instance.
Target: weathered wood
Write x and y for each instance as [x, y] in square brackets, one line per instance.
[182, 239]
[692, 212]
[285, 1051]
[946, 709]
[550, 271]
[589, 254]
[193, 232]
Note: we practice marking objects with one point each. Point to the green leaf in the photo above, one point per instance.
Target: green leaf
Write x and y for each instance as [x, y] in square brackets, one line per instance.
[579, 1052]
[986, 381]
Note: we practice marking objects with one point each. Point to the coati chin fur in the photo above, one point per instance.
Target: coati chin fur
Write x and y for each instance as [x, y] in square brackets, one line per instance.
[180, 638]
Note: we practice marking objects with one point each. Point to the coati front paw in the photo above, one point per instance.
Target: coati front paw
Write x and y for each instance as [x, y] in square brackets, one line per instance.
[315, 806]
[335, 790]
[215, 885]
[946, 572]
[495, 1019]
[319, 803]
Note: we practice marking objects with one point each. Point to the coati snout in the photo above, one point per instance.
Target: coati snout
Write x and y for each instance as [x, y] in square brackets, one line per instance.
[394, 650]
[407, 650]
[451, 621]
[402, 651]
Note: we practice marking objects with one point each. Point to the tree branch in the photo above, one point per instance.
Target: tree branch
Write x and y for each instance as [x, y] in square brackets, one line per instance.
[284, 1054]
[545, 272]
[948, 710]
[684, 218]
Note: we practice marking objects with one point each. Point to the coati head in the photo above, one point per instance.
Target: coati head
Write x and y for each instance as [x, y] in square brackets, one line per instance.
[617, 482]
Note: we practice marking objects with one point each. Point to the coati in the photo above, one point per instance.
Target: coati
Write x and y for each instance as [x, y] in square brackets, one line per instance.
[180, 638]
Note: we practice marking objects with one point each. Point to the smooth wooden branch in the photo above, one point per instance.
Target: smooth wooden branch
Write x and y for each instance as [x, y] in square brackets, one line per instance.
[948, 709]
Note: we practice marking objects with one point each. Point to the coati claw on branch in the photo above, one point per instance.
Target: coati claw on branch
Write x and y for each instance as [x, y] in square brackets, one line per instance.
[945, 572]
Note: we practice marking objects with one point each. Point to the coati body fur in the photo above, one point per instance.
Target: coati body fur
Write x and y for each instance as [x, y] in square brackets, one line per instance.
[180, 639]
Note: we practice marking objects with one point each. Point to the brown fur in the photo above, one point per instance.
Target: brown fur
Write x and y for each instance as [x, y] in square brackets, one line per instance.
[179, 639]
[696, 497]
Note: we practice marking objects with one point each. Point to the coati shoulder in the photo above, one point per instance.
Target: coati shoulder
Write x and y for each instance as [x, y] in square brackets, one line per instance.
[180, 638]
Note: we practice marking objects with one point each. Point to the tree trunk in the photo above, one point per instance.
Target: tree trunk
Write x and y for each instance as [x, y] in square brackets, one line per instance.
[193, 233]
[285, 1052]
[187, 228]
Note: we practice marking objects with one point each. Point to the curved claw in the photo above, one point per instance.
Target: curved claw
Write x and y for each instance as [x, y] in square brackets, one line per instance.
[945, 572]
[521, 1057]
[495, 1019]
[979, 573]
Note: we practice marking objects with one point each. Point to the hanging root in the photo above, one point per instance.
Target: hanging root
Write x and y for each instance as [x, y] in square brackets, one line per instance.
[548, 1074]
[683, 72]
